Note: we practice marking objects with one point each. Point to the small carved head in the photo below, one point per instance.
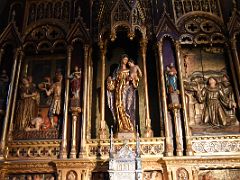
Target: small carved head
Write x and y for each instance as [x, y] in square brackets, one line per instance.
[76, 68]
[131, 63]
[124, 59]
[212, 82]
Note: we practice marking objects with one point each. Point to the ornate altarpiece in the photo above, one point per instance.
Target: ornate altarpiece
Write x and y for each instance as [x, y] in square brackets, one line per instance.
[193, 43]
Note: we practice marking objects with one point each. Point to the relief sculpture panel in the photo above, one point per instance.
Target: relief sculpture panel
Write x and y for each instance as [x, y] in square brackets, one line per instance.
[218, 174]
[209, 93]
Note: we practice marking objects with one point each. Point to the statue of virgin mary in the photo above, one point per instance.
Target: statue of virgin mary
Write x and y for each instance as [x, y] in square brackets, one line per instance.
[122, 97]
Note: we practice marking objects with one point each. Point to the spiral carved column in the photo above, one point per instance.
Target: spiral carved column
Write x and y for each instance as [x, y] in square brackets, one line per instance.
[182, 92]
[102, 129]
[10, 98]
[75, 116]
[148, 128]
[63, 153]
[232, 66]
[236, 58]
[168, 141]
[85, 103]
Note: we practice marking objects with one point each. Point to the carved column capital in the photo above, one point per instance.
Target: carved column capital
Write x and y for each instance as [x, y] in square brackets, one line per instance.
[86, 47]
[160, 46]
[69, 49]
[233, 43]
[113, 35]
[102, 46]
[2, 50]
[143, 45]
[178, 45]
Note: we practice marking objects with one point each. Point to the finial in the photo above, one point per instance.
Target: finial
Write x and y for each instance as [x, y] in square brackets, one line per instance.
[111, 131]
[13, 16]
[111, 141]
[234, 5]
[137, 131]
[79, 12]
[164, 7]
[138, 152]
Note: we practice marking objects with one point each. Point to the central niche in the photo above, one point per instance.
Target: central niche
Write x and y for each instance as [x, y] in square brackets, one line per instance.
[115, 49]
[123, 45]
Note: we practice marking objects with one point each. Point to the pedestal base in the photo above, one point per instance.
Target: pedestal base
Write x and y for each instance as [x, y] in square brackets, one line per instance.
[126, 135]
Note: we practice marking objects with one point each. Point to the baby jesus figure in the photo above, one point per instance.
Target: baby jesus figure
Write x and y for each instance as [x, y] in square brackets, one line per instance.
[135, 73]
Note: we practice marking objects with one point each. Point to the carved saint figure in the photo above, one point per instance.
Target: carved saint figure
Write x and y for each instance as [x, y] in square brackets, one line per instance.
[46, 84]
[71, 176]
[36, 124]
[135, 73]
[171, 78]
[122, 97]
[55, 91]
[215, 102]
[227, 89]
[76, 82]
[27, 106]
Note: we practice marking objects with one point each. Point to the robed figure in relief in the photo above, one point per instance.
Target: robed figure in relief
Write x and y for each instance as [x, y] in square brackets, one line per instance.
[216, 103]
[27, 105]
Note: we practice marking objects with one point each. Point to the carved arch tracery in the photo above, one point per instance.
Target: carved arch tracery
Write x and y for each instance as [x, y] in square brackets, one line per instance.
[45, 37]
[129, 15]
[201, 30]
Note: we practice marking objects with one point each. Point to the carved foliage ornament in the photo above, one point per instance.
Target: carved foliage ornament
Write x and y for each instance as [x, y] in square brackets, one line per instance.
[45, 37]
[154, 148]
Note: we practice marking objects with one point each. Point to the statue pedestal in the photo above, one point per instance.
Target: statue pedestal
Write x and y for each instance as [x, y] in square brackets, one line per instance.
[126, 135]
[175, 107]
[174, 98]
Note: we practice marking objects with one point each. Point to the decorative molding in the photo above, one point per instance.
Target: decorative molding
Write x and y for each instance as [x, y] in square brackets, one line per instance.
[150, 147]
[216, 145]
[33, 150]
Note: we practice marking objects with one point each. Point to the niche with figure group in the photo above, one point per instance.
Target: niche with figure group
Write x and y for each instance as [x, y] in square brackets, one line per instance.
[210, 97]
[39, 105]
[173, 95]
